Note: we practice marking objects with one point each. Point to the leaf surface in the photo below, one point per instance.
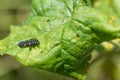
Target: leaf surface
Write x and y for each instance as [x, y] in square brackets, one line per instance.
[68, 30]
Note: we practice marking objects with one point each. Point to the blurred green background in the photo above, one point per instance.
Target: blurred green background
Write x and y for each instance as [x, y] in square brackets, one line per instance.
[105, 63]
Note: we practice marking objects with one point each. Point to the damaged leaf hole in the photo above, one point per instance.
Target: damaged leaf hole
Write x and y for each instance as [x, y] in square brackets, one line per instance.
[41, 51]
[77, 35]
[63, 20]
[48, 20]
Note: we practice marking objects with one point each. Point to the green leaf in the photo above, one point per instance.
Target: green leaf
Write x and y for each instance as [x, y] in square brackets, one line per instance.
[68, 30]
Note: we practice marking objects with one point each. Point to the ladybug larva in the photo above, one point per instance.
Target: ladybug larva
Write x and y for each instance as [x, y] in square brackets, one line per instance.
[28, 43]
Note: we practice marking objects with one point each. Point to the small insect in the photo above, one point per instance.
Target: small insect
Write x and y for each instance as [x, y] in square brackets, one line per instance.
[28, 43]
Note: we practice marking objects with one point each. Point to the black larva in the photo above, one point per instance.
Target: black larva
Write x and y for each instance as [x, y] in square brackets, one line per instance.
[28, 43]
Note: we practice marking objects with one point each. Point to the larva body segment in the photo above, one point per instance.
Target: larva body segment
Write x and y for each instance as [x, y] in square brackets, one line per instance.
[28, 43]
